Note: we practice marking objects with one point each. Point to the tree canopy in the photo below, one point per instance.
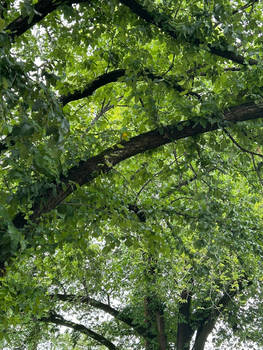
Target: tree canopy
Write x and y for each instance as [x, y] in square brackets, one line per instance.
[131, 174]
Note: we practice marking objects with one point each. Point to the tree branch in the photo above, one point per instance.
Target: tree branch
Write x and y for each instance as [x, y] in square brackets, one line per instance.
[242, 8]
[102, 163]
[99, 82]
[86, 171]
[58, 320]
[241, 147]
[112, 77]
[163, 22]
[39, 11]
[108, 309]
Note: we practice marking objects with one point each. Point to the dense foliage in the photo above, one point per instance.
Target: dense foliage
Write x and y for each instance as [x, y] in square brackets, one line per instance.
[131, 174]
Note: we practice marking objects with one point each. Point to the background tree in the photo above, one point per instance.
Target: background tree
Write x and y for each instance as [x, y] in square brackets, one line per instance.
[130, 173]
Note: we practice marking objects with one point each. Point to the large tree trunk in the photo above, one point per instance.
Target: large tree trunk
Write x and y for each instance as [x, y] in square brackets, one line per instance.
[154, 308]
[184, 329]
[154, 319]
[162, 339]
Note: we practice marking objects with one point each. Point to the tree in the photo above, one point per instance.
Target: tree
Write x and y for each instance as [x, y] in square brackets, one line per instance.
[131, 173]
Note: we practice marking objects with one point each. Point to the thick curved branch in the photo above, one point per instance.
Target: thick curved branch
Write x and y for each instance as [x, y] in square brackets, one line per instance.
[208, 323]
[86, 171]
[60, 321]
[100, 81]
[106, 308]
[39, 11]
[163, 22]
[91, 87]
[112, 77]
[102, 163]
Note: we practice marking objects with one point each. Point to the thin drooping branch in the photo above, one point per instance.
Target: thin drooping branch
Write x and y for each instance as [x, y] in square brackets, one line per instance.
[163, 22]
[106, 308]
[244, 7]
[60, 321]
[241, 147]
[257, 168]
[151, 179]
[39, 11]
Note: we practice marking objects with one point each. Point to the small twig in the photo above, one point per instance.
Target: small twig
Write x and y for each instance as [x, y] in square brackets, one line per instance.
[178, 9]
[150, 180]
[80, 107]
[127, 182]
[180, 213]
[193, 170]
[141, 101]
[177, 163]
[232, 69]
[179, 198]
[250, 3]
[239, 146]
[104, 109]
[181, 184]
[256, 168]
[201, 179]
[170, 67]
